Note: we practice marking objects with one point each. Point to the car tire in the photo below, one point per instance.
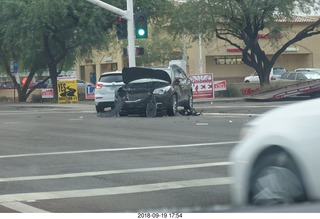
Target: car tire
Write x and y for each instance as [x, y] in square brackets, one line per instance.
[99, 109]
[172, 109]
[189, 104]
[151, 109]
[275, 179]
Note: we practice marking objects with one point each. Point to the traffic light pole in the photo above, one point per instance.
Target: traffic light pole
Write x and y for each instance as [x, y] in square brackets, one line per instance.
[128, 15]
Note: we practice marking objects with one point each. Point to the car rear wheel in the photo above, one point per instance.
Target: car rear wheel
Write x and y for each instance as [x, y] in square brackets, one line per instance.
[173, 106]
[275, 179]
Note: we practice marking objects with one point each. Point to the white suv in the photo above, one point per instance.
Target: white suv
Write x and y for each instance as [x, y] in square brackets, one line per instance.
[104, 95]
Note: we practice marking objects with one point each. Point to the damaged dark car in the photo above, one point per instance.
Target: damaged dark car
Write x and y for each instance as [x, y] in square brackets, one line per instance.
[149, 91]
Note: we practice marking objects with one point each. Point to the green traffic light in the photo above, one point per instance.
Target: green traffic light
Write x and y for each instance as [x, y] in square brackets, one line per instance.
[141, 32]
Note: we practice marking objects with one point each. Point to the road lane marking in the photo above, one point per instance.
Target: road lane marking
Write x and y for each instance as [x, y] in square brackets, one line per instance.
[118, 149]
[63, 111]
[231, 114]
[11, 123]
[37, 196]
[20, 207]
[109, 172]
[237, 106]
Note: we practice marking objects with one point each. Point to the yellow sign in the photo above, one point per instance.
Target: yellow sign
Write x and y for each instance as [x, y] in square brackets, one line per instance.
[67, 90]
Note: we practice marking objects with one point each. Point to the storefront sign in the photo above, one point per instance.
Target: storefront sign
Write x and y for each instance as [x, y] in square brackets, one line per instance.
[233, 50]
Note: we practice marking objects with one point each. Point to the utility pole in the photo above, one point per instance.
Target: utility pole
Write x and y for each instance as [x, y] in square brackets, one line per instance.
[128, 15]
[200, 54]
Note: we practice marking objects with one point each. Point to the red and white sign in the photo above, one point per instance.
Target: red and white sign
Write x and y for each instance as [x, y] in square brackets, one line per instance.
[202, 85]
[220, 85]
[47, 93]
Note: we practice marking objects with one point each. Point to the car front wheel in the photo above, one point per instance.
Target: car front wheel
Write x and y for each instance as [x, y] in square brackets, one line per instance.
[99, 109]
[275, 179]
[173, 106]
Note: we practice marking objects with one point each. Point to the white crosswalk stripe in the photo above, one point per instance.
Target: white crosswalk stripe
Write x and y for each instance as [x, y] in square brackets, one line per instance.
[21, 197]
[97, 173]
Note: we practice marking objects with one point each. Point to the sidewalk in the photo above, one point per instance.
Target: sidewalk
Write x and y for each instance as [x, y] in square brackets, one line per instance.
[212, 100]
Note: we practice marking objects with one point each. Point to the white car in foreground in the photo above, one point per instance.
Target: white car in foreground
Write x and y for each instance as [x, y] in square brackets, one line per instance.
[104, 94]
[278, 159]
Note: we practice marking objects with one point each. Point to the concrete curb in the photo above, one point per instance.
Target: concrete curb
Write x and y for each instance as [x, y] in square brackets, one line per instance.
[91, 103]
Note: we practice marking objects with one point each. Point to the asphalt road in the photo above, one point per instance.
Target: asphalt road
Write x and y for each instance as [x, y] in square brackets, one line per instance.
[64, 158]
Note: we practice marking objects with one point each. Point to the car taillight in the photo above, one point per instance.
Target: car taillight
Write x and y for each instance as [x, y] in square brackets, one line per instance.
[99, 86]
[273, 78]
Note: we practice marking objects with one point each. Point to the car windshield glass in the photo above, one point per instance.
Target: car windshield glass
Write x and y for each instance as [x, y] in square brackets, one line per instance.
[111, 78]
[278, 71]
[312, 75]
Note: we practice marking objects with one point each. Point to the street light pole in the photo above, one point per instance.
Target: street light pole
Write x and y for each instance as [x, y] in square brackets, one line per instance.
[131, 45]
[128, 15]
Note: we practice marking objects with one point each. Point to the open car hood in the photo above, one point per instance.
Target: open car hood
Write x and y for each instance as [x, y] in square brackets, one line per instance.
[135, 73]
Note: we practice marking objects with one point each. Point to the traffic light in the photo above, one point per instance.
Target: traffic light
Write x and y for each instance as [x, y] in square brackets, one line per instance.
[122, 30]
[141, 24]
[139, 51]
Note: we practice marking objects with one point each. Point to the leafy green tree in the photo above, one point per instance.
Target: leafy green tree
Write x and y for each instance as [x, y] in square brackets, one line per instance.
[239, 22]
[50, 35]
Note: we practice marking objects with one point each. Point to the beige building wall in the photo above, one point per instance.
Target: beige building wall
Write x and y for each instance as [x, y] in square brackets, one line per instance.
[100, 62]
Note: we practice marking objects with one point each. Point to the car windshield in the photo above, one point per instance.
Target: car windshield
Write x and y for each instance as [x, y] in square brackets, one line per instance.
[109, 78]
[311, 75]
[278, 71]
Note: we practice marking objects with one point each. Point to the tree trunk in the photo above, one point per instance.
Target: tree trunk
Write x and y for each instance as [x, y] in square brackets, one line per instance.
[264, 78]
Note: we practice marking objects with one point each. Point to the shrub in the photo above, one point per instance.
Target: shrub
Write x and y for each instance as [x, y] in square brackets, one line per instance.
[231, 91]
[37, 98]
[81, 96]
[5, 99]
